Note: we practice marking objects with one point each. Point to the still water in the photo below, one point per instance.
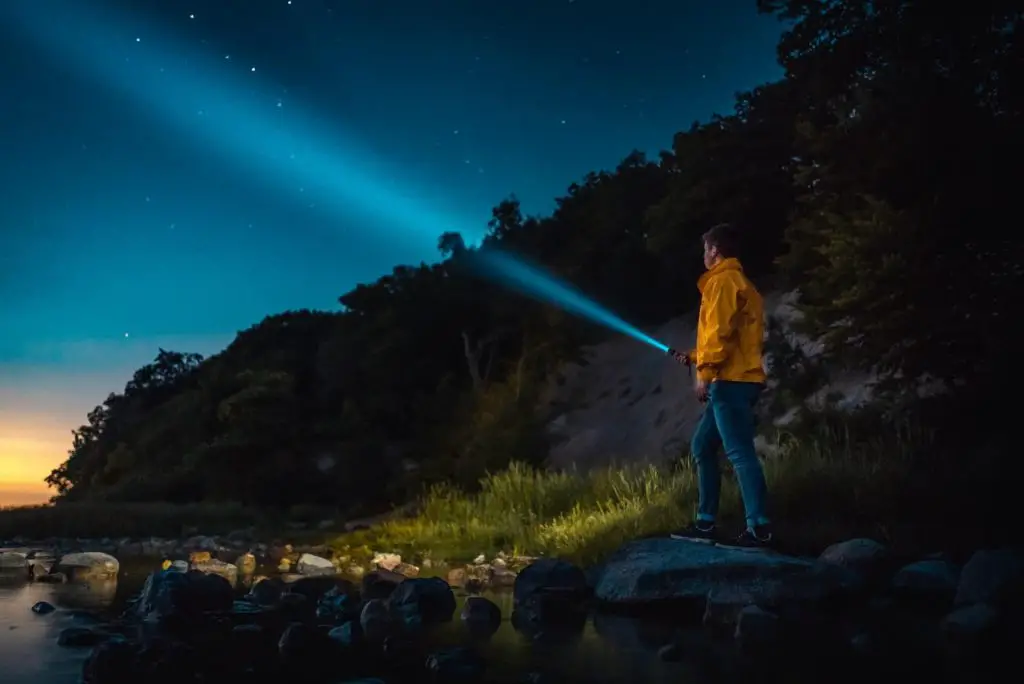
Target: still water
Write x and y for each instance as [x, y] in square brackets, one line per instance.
[609, 649]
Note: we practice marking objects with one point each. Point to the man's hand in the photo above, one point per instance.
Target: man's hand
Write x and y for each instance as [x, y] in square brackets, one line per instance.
[700, 388]
[682, 358]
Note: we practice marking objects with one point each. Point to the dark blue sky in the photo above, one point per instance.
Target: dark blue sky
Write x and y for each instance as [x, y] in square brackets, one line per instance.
[175, 170]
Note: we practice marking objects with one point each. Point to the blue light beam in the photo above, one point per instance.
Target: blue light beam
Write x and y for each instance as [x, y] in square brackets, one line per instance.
[529, 280]
[230, 112]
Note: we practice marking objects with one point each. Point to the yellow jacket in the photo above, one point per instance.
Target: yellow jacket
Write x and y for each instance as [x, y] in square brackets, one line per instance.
[730, 329]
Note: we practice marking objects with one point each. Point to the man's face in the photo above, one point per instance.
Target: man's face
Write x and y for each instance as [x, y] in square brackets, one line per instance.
[710, 255]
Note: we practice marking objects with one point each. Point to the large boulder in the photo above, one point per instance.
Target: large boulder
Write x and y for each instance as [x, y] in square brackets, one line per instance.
[168, 594]
[657, 570]
[88, 566]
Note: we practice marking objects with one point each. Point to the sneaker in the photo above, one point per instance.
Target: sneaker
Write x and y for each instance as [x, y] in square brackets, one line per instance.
[757, 537]
[698, 530]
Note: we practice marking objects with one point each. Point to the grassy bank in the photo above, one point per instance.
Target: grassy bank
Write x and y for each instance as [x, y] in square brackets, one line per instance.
[824, 488]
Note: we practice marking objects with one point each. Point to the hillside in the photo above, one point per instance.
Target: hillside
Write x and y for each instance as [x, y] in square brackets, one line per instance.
[872, 178]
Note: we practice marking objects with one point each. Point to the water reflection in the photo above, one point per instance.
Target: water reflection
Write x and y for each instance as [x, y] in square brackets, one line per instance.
[28, 642]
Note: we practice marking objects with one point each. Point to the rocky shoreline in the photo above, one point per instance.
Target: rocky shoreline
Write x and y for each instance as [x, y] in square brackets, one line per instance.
[323, 618]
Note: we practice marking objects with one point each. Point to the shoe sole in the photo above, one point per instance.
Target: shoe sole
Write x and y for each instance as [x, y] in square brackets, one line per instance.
[740, 547]
[698, 540]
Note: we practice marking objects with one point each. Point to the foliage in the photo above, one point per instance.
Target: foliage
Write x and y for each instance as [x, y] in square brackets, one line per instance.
[848, 482]
[878, 171]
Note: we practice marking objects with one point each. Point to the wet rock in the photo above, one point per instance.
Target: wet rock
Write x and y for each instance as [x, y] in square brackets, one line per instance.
[266, 592]
[339, 604]
[111, 661]
[992, 576]
[246, 563]
[929, 584]
[407, 570]
[422, 600]
[87, 566]
[970, 623]
[380, 583]
[218, 567]
[549, 590]
[670, 653]
[314, 588]
[199, 557]
[723, 605]
[186, 595]
[455, 665]
[756, 627]
[311, 565]
[305, 649]
[867, 557]
[386, 561]
[481, 616]
[655, 570]
[13, 560]
[346, 634]
[80, 637]
[43, 608]
[375, 619]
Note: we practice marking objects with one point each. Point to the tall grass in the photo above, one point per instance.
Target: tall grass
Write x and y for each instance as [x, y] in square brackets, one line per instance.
[823, 486]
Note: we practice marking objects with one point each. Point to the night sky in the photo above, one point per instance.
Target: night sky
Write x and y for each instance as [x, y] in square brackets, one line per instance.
[175, 170]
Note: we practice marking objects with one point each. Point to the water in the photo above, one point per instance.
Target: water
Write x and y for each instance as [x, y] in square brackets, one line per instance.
[28, 642]
[608, 649]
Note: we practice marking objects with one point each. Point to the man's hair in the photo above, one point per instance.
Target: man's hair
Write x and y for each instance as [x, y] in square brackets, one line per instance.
[723, 237]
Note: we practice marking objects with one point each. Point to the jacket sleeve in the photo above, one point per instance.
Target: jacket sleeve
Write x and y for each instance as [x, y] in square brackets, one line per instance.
[718, 309]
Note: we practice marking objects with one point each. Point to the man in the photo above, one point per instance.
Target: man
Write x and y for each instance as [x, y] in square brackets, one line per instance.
[730, 377]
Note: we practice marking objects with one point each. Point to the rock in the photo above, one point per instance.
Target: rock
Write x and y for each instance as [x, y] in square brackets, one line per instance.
[756, 627]
[186, 595]
[200, 543]
[866, 557]
[217, 567]
[481, 616]
[346, 634]
[386, 561]
[422, 600]
[80, 637]
[381, 583]
[340, 604]
[652, 570]
[970, 622]
[928, 583]
[455, 665]
[723, 605]
[246, 563]
[375, 619]
[480, 560]
[13, 560]
[992, 576]
[43, 608]
[311, 565]
[111, 661]
[91, 565]
[266, 592]
[407, 570]
[670, 653]
[549, 590]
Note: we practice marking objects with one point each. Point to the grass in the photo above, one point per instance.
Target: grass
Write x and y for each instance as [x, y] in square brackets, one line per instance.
[824, 488]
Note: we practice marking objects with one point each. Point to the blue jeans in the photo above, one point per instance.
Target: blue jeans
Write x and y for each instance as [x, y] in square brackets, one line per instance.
[729, 420]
